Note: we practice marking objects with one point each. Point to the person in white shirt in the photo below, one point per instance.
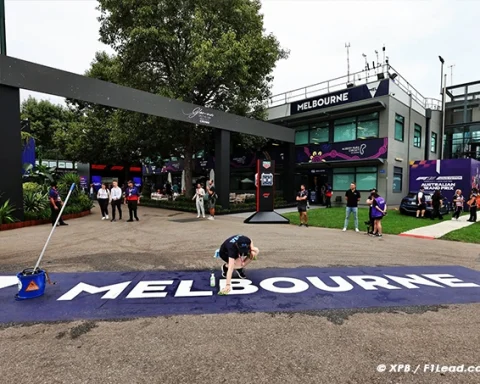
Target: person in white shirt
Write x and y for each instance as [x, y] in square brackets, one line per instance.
[116, 195]
[103, 197]
[198, 197]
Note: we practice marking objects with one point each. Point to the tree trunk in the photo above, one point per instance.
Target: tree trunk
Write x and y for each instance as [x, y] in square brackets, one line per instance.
[188, 167]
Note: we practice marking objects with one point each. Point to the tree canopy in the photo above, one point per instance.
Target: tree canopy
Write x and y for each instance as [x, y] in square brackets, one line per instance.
[211, 53]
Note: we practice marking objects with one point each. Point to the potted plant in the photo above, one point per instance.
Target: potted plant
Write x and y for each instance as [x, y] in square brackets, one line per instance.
[7, 220]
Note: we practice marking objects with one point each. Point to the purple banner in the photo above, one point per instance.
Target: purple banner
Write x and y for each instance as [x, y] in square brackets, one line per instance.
[28, 154]
[446, 175]
[349, 150]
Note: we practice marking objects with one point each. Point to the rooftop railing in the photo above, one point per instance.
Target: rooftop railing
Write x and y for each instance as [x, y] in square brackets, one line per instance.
[354, 79]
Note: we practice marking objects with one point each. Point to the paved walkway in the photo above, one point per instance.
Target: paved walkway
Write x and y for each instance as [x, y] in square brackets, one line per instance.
[438, 230]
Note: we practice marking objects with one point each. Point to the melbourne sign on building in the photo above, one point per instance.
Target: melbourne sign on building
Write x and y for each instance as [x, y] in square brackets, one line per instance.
[348, 95]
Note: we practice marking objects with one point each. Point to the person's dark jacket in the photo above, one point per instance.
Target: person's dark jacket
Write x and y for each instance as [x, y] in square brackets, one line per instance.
[437, 199]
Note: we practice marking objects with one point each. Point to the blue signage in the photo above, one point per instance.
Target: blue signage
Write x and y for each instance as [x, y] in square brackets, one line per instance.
[345, 96]
[116, 295]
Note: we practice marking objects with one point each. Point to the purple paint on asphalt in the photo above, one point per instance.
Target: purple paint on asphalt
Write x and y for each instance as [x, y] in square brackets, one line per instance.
[309, 295]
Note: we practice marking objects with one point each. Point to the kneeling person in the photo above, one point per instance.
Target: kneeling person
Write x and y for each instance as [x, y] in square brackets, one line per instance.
[237, 252]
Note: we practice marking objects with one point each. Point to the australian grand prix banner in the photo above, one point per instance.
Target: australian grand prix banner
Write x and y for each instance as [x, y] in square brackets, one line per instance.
[345, 96]
[348, 150]
[446, 175]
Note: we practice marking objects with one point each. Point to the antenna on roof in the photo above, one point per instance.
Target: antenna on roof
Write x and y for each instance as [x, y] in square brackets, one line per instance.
[378, 62]
[367, 68]
[347, 45]
[451, 73]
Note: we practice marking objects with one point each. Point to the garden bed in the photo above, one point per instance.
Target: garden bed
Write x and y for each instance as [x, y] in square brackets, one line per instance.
[184, 205]
[30, 223]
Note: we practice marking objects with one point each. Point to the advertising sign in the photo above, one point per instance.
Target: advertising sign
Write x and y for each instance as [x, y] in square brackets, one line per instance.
[348, 150]
[446, 175]
[345, 96]
[265, 185]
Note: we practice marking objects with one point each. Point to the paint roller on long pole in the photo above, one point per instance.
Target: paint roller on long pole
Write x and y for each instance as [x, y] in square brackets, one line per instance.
[54, 226]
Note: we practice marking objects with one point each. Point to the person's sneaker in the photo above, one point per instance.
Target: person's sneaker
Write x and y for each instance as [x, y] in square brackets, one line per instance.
[211, 218]
[301, 225]
[344, 229]
[136, 218]
[103, 218]
[198, 216]
[106, 217]
[241, 273]
[130, 221]
[306, 225]
[356, 230]
[63, 224]
[378, 235]
[112, 220]
[224, 270]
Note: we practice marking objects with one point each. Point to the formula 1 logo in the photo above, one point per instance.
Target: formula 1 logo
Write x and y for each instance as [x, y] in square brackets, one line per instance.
[266, 195]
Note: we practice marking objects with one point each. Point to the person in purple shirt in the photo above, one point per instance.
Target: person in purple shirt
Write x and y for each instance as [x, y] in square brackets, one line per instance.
[55, 204]
[379, 210]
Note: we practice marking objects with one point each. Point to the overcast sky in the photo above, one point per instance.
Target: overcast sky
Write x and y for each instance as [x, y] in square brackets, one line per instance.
[64, 34]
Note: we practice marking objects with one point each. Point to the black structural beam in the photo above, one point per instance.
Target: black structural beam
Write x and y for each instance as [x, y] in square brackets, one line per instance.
[11, 149]
[289, 162]
[222, 167]
[39, 78]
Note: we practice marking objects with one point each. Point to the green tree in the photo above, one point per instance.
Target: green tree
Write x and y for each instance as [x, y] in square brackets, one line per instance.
[45, 120]
[211, 53]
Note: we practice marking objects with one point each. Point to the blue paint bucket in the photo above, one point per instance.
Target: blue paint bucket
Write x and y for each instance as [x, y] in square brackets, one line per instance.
[31, 284]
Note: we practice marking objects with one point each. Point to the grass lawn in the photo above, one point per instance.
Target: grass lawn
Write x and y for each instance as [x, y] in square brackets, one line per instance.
[394, 223]
[470, 234]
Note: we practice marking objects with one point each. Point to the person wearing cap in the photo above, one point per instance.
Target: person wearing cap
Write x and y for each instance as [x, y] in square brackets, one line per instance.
[132, 198]
[236, 252]
[55, 204]
[421, 202]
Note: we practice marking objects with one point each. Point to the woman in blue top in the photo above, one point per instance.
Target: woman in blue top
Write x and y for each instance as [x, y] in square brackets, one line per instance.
[379, 209]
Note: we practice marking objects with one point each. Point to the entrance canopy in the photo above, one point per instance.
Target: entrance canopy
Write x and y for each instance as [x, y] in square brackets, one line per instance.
[39, 78]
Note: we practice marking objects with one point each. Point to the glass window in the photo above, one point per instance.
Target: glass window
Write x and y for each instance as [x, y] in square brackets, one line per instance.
[397, 179]
[433, 143]
[341, 182]
[346, 120]
[366, 181]
[399, 127]
[52, 164]
[367, 129]
[301, 137]
[417, 136]
[369, 116]
[344, 132]
[367, 169]
[319, 133]
[68, 165]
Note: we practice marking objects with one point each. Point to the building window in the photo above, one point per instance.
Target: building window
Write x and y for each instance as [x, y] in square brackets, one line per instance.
[301, 137]
[319, 133]
[417, 136]
[353, 128]
[364, 177]
[345, 129]
[367, 126]
[399, 127]
[433, 143]
[397, 179]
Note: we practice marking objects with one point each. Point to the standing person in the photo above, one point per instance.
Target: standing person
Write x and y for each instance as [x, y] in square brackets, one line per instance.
[379, 210]
[422, 206]
[132, 198]
[302, 198]
[328, 197]
[198, 197]
[55, 204]
[472, 203]
[458, 200]
[371, 221]
[212, 199]
[236, 252]
[116, 196]
[437, 203]
[352, 196]
[92, 192]
[103, 197]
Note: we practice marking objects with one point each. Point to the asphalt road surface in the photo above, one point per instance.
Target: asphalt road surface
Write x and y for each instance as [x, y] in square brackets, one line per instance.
[333, 346]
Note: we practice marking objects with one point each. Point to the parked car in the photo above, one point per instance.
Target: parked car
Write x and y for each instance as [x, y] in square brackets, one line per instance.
[409, 205]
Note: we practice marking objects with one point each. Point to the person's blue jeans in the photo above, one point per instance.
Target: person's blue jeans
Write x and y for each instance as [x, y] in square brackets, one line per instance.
[347, 216]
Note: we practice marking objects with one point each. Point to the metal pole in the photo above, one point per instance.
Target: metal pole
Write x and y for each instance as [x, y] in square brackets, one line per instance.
[53, 228]
[444, 96]
[3, 36]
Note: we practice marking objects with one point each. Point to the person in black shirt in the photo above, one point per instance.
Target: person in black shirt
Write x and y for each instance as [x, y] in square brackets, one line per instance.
[437, 201]
[370, 222]
[352, 196]
[421, 202]
[212, 199]
[472, 202]
[237, 252]
[302, 198]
